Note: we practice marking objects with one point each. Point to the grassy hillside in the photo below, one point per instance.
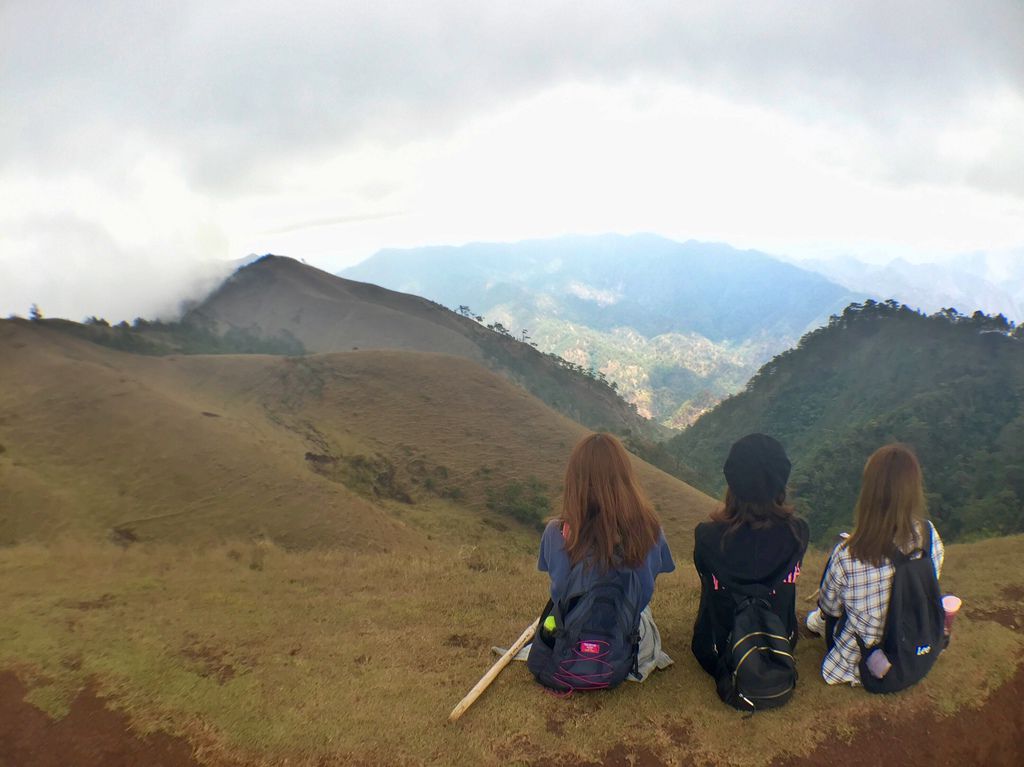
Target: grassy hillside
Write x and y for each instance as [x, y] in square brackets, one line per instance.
[279, 300]
[316, 554]
[950, 386]
[353, 449]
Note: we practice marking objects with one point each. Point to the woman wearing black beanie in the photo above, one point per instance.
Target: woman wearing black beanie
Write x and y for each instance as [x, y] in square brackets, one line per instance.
[752, 545]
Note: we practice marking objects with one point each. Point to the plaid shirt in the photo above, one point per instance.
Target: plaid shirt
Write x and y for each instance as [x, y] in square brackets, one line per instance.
[861, 591]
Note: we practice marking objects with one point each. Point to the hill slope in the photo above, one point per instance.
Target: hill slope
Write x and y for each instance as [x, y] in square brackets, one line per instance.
[355, 449]
[674, 324]
[950, 386]
[351, 641]
[277, 297]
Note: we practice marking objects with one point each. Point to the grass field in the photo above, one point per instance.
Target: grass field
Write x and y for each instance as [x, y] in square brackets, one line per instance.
[171, 544]
[264, 656]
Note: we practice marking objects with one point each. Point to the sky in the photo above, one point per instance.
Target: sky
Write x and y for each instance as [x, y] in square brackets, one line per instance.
[146, 146]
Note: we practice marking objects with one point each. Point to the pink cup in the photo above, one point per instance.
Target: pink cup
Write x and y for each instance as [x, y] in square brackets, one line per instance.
[951, 605]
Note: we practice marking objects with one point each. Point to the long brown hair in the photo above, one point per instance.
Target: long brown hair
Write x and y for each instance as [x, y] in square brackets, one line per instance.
[758, 516]
[608, 516]
[891, 505]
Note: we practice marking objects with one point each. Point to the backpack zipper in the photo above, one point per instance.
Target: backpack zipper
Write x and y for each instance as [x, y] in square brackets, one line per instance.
[741, 640]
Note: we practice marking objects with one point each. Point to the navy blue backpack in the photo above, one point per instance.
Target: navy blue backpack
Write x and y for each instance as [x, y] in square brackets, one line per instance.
[596, 640]
[914, 626]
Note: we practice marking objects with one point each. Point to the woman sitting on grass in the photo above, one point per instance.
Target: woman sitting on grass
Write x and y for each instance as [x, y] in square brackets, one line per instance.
[607, 538]
[749, 554]
[856, 587]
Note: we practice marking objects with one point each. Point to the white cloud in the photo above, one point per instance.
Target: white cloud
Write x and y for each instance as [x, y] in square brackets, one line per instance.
[199, 131]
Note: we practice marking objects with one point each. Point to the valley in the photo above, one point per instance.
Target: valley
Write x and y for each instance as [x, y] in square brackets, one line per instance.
[677, 326]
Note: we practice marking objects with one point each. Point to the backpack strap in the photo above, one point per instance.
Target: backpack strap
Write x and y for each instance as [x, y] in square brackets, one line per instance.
[899, 558]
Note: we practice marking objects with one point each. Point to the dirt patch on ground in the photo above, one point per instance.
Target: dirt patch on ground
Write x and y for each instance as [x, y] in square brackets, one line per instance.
[99, 603]
[93, 736]
[208, 661]
[1013, 593]
[1005, 616]
[89, 736]
[992, 735]
[619, 756]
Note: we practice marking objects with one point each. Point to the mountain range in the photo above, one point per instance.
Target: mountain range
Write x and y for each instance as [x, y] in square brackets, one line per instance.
[992, 283]
[676, 325]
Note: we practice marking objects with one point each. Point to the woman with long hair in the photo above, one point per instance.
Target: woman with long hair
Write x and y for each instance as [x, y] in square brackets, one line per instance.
[606, 525]
[890, 517]
[753, 540]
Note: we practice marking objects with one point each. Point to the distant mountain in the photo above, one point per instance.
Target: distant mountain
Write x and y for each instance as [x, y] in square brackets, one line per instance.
[676, 325]
[991, 283]
[949, 385]
[276, 299]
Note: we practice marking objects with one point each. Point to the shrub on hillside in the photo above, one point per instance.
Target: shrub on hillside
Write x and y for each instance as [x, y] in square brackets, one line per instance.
[526, 502]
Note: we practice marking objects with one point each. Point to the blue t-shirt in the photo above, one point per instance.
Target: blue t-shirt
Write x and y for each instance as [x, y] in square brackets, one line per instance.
[555, 562]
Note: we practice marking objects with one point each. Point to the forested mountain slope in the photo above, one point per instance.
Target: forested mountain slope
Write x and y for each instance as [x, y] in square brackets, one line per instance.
[949, 385]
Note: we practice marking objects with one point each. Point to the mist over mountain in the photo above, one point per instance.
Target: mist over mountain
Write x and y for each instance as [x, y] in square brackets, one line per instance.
[676, 325]
[993, 283]
[949, 385]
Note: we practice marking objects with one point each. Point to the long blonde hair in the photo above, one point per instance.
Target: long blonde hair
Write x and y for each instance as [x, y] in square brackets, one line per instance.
[891, 507]
[606, 512]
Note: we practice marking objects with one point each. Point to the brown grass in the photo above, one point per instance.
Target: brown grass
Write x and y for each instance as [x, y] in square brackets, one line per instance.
[271, 613]
[99, 440]
[352, 655]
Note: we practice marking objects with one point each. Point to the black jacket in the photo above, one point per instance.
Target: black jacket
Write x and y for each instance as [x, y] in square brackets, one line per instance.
[767, 556]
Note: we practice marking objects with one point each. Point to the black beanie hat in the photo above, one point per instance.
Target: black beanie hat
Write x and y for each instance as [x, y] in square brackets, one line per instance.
[757, 469]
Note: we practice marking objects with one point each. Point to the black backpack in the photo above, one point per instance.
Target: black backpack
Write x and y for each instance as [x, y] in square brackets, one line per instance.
[596, 640]
[756, 669]
[913, 635]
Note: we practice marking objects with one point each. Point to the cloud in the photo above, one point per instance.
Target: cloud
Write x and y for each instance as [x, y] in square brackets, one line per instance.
[315, 223]
[73, 267]
[236, 89]
[191, 132]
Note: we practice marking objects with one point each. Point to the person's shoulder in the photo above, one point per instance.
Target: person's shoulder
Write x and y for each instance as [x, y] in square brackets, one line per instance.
[936, 538]
[708, 533]
[706, 529]
[552, 531]
[841, 556]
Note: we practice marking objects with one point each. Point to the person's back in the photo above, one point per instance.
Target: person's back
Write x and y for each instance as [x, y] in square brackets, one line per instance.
[748, 556]
[857, 584]
[752, 546]
[607, 538]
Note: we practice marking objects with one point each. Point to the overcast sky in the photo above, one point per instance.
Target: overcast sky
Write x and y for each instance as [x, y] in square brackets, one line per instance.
[142, 147]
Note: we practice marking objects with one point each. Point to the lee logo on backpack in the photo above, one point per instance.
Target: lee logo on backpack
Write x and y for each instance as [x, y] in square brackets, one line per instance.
[596, 639]
[756, 670]
[913, 625]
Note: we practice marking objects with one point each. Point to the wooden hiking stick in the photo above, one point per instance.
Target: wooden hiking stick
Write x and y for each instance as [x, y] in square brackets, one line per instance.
[490, 676]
